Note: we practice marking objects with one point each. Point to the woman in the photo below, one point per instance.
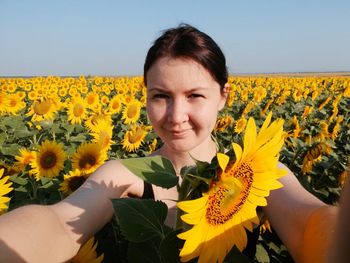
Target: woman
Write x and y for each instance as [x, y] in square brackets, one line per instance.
[186, 78]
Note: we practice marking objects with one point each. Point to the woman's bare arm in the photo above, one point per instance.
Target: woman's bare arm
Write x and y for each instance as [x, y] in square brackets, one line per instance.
[55, 233]
[295, 215]
[340, 248]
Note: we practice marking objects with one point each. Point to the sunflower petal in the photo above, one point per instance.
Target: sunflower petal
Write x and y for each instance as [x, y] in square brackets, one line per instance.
[223, 160]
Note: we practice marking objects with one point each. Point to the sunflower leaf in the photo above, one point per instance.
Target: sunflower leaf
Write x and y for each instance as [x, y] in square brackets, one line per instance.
[145, 252]
[170, 247]
[140, 219]
[155, 170]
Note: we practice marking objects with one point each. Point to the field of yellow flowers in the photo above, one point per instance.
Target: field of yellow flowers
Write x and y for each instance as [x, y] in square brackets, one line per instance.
[55, 131]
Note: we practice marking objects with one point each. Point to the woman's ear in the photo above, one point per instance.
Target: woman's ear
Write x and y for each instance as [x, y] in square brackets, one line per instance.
[224, 94]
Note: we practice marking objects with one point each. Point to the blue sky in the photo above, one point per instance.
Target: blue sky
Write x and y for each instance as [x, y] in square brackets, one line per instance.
[112, 37]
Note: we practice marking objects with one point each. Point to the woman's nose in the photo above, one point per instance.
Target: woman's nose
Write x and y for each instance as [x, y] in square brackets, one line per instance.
[177, 112]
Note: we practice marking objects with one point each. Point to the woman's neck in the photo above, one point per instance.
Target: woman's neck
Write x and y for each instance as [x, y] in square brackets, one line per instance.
[204, 152]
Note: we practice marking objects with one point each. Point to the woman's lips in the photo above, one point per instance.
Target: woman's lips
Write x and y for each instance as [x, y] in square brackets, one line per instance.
[179, 133]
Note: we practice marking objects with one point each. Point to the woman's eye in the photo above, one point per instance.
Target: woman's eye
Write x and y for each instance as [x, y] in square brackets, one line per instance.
[160, 96]
[195, 95]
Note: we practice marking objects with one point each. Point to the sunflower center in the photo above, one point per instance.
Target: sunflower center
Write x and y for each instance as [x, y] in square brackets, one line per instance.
[229, 198]
[90, 100]
[76, 182]
[13, 103]
[116, 105]
[135, 136]
[41, 108]
[132, 111]
[48, 160]
[87, 161]
[78, 110]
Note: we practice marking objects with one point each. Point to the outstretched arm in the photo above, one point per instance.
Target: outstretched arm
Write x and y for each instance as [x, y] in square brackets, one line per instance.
[340, 248]
[55, 233]
[303, 222]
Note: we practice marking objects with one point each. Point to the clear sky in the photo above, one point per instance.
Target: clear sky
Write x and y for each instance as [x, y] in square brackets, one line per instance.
[112, 37]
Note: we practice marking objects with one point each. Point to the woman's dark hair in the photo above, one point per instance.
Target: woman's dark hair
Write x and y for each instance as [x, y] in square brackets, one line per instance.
[188, 42]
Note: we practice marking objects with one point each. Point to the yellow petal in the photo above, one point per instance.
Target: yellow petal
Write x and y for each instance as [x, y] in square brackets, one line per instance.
[223, 160]
[249, 136]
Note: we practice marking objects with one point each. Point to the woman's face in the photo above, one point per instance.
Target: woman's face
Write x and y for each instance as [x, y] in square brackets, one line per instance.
[183, 101]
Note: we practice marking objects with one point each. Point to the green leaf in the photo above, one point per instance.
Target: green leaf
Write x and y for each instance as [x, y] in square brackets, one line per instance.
[261, 254]
[18, 180]
[170, 247]
[12, 150]
[140, 219]
[156, 170]
[145, 252]
[236, 256]
[78, 138]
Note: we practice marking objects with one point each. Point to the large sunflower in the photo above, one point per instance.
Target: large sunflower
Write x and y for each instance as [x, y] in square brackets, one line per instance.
[87, 253]
[88, 157]
[5, 188]
[48, 160]
[72, 181]
[220, 216]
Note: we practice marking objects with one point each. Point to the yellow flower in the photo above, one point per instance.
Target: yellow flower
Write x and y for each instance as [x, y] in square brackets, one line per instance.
[77, 110]
[87, 253]
[102, 132]
[88, 157]
[152, 146]
[14, 104]
[96, 117]
[72, 181]
[131, 112]
[223, 122]
[297, 128]
[307, 111]
[49, 160]
[115, 104]
[265, 225]
[42, 109]
[314, 155]
[220, 216]
[92, 99]
[3, 102]
[134, 138]
[5, 188]
[23, 159]
[240, 125]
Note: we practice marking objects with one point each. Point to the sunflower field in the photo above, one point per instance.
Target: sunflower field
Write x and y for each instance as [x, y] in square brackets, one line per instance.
[56, 131]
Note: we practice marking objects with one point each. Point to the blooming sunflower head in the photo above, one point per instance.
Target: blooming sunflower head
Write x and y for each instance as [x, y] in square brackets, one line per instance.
[131, 112]
[102, 132]
[5, 188]
[87, 253]
[23, 158]
[133, 138]
[72, 181]
[48, 160]
[88, 157]
[43, 108]
[221, 215]
[77, 110]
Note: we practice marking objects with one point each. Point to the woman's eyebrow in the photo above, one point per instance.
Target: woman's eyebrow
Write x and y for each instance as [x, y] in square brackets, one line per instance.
[157, 89]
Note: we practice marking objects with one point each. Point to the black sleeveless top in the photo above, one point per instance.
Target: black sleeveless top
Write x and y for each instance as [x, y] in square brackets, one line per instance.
[118, 252]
